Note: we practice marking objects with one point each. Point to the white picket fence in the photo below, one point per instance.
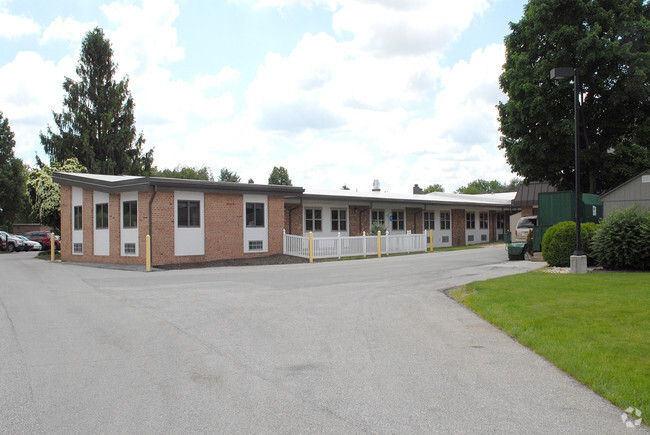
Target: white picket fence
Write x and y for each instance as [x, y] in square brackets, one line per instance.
[337, 247]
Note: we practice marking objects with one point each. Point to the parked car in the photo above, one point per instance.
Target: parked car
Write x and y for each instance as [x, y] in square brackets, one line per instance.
[11, 243]
[43, 237]
[30, 245]
[524, 226]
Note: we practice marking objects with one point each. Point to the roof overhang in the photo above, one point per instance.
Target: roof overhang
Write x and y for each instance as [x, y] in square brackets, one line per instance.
[120, 183]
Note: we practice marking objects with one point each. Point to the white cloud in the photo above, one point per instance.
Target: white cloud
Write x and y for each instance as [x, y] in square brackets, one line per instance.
[13, 26]
[35, 90]
[66, 29]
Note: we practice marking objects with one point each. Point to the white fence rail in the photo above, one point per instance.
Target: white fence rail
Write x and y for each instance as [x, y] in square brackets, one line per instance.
[337, 247]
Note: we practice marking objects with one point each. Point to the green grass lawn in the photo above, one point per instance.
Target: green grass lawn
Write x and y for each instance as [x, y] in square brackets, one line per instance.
[596, 327]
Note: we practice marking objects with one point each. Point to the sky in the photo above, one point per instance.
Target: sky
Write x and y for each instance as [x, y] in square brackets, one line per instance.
[336, 91]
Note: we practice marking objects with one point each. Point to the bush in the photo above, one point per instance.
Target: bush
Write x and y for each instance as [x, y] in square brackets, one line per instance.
[558, 244]
[376, 227]
[622, 241]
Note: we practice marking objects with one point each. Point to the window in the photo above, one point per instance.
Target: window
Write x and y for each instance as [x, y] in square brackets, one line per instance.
[470, 238]
[483, 237]
[398, 220]
[445, 239]
[101, 216]
[429, 220]
[445, 220]
[313, 219]
[500, 221]
[254, 215]
[339, 221]
[77, 217]
[255, 245]
[483, 221]
[470, 221]
[77, 248]
[129, 248]
[189, 214]
[130, 214]
[378, 216]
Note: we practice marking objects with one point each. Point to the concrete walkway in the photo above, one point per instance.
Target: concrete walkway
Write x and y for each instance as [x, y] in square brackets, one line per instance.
[358, 346]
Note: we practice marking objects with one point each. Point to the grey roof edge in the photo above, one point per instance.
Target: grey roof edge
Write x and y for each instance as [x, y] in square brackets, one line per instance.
[421, 202]
[646, 172]
[162, 183]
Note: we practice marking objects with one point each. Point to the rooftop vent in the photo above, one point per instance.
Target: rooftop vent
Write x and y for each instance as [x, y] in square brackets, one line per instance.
[375, 186]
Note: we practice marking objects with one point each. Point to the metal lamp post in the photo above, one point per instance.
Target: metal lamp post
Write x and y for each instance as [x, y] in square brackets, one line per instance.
[578, 257]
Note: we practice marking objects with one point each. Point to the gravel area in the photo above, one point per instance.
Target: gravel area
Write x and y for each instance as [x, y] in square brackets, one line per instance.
[258, 261]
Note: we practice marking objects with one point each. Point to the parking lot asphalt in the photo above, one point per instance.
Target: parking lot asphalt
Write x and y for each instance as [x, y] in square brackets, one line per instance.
[338, 347]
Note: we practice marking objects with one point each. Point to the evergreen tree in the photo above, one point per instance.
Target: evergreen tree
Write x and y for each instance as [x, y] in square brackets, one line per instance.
[97, 125]
[226, 175]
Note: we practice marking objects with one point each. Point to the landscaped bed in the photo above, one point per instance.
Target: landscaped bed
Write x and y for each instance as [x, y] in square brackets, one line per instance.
[595, 327]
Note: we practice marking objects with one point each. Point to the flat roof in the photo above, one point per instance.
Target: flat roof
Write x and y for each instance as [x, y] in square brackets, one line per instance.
[129, 183]
[439, 198]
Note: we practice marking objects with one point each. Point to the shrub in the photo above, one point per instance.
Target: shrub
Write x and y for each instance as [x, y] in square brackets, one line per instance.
[558, 244]
[622, 241]
[377, 226]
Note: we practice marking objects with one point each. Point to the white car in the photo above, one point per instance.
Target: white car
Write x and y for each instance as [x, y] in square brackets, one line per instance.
[524, 226]
[29, 244]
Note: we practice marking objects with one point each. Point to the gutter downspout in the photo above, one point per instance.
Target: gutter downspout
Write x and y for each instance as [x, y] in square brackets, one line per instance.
[155, 189]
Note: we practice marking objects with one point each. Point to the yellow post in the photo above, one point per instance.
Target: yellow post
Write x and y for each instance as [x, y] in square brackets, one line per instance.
[52, 247]
[147, 252]
[431, 239]
[311, 247]
[379, 244]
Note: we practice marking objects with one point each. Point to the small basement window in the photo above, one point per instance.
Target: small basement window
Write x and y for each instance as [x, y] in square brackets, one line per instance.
[129, 248]
[470, 238]
[77, 248]
[255, 245]
[483, 237]
[445, 239]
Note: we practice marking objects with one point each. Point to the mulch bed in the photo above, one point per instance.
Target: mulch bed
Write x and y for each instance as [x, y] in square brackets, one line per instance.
[258, 261]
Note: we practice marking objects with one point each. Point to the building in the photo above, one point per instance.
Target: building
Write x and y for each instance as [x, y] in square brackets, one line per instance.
[106, 218]
[635, 191]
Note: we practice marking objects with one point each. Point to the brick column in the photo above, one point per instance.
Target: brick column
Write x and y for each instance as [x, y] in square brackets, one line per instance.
[458, 227]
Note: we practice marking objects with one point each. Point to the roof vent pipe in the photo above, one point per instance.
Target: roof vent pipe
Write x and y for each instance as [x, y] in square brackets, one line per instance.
[375, 186]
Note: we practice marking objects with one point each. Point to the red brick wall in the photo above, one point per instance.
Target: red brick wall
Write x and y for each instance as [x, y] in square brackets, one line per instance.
[414, 220]
[527, 210]
[361, 216]
[275, 226]
[293, 225]
[492, 225]
[66, 223]
[458, 227]
[114, 224]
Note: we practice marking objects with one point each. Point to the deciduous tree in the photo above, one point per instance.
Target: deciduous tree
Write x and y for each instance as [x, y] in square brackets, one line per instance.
[97, 124]
[12, 176]
[608, 42]
[45, 194]
[187, 172]
[279, 175]
[434, 188]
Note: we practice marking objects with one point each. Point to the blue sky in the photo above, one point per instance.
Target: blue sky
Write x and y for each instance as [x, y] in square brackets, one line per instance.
[338, 92]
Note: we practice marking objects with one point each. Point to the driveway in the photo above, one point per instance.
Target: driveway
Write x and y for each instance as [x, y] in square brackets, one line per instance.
[358, 346]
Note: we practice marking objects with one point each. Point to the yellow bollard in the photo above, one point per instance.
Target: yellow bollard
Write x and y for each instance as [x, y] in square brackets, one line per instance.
[431, 239]
[311, 248]
[52, 247]
[379, 244]
[147, 252]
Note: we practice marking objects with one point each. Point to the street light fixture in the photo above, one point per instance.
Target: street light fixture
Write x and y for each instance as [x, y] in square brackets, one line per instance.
[578, 260]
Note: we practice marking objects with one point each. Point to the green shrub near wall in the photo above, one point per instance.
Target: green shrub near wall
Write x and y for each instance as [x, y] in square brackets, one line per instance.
[622, 241]
[559, 242]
